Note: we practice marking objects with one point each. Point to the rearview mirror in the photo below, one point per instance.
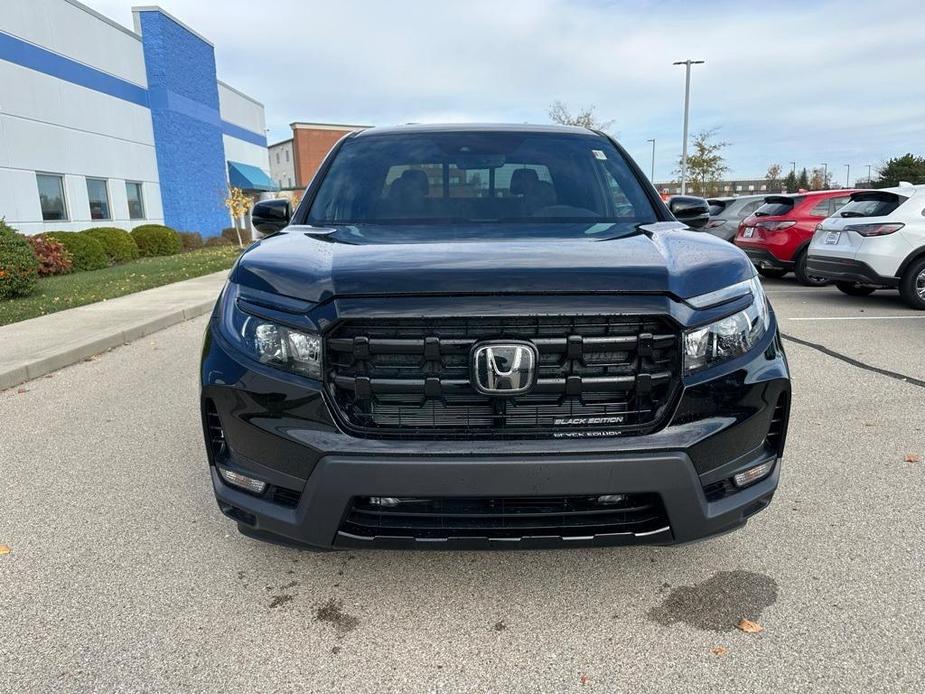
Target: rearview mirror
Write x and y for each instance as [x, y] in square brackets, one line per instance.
[269, 216]
[691, 210]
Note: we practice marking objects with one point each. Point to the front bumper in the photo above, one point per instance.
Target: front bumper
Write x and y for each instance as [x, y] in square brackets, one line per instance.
[277, 428]
[847, 270]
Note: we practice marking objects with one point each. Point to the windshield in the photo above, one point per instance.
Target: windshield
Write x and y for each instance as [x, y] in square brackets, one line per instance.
[479, 178]
[872, 205]
[776, 207]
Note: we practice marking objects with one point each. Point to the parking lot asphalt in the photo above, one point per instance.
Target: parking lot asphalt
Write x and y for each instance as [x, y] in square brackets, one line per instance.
[123, 575]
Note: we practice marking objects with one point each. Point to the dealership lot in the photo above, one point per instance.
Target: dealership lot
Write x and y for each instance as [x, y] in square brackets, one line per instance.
[123, 575]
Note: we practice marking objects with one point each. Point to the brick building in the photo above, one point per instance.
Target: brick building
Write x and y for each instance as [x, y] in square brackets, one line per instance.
[293, 162]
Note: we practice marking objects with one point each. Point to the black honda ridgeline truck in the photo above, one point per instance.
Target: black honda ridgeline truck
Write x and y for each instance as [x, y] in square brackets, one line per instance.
[490, 337]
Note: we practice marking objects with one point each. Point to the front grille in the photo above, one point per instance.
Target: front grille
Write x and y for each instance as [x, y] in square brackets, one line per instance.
[438, 518]
[410, 377]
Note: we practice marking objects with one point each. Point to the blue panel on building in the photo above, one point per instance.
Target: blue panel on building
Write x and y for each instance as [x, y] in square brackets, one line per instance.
[183, 96]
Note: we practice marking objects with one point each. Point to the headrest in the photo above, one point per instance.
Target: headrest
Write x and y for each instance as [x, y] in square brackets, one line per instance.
[412, 182]
[523, 180]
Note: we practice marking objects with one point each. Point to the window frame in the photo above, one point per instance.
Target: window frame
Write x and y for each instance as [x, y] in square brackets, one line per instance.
[141, 200]
[105, 182]
[47, 174]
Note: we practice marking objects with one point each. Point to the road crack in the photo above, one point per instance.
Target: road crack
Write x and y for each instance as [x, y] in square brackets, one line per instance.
[854, 362]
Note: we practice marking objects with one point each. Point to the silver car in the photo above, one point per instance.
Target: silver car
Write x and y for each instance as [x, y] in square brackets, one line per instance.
[727, 213]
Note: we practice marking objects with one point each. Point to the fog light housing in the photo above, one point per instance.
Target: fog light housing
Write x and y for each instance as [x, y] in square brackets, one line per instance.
[386, 501]
[243, 481]
[753, 474]
[611, 499]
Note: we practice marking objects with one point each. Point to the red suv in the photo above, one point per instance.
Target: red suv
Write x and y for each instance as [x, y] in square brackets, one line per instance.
[777, 235]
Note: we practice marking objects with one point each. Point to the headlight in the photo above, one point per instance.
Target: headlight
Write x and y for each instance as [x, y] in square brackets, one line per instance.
[270, 343]
[728, 337]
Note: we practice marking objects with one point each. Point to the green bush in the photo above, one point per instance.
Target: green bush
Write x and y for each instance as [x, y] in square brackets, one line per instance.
[155, 239]
[191, 240]
[19, 268]
[118, 244]
[86, 252]
[219, 241]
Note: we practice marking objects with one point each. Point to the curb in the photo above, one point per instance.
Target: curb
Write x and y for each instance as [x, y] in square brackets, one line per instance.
[74, 353]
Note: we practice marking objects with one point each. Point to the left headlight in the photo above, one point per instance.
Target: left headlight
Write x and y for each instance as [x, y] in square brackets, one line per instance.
[270, 343]
[732, 336]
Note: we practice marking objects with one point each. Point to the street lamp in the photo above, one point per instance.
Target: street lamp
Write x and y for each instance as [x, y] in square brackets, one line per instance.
[652, 175]
[793, 168]
[847, 175]
[825, 175]
[687, 107]
[868, 174]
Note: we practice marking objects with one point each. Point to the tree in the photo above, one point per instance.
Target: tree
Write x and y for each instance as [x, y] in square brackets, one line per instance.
[560, 113]
[238, 203]
[705, 163]
[820, 179]
[905, 168]
[790, 182]
[803, 180]
[773, 178]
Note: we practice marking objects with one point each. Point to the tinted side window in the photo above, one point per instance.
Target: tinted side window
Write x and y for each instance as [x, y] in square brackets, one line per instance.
[821, 209]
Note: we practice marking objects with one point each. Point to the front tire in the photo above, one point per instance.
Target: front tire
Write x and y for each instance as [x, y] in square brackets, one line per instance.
[853, 289]
[912, 285]
[772, 273]
[806, 279]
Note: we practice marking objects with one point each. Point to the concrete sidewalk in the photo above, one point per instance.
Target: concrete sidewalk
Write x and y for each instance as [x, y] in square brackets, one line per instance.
[35, 347]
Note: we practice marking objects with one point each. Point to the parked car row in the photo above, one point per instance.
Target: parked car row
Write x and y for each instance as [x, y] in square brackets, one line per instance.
[862, 240]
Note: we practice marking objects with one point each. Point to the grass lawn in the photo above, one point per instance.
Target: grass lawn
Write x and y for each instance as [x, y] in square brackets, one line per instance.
[79, 288]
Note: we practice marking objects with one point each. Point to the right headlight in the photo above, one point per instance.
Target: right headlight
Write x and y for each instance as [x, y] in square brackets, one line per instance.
[270, 343]
[728, 337]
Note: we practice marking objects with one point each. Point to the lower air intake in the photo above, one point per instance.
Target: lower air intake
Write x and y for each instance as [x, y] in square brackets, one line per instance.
[506, 518]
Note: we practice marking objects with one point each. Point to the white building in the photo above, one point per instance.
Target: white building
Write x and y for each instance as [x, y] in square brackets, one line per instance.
[103, 126]
[282, 164]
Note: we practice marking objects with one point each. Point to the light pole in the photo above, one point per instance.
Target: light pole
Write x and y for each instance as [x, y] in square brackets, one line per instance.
[868, 174]
[825, 175]
[793, 168]
[847, 175]
[652, 175]
[687, 108]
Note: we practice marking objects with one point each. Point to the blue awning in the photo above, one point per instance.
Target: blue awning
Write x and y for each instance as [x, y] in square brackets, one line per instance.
[247, 177]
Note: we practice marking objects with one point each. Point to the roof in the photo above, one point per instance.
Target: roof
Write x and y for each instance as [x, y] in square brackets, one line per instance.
[473, 127]
[281, 142]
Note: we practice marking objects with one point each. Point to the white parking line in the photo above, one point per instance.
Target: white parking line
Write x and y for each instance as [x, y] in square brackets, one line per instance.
[907, 317]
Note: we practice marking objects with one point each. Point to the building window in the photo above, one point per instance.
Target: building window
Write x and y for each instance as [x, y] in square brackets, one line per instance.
[289, 179]
[51, 197]
[277, 157]
[287, 156]
[99, 198]
[136, 202]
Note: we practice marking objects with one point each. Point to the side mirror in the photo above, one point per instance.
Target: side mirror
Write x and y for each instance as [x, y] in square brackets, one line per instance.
[691, 210]
[269, 216]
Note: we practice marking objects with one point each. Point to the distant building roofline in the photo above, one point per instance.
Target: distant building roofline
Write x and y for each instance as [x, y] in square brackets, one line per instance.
[277, 144]
[326, 126]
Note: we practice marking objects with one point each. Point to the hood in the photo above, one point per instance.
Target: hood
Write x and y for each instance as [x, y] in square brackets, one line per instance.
[394, 261]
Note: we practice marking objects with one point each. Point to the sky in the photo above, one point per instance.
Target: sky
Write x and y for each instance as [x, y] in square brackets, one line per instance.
[810, 82]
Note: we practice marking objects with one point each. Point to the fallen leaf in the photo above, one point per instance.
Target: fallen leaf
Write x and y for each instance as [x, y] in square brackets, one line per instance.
[719, 650]
[584, 679]
[5, 549]
[750, 627]
[913, 458]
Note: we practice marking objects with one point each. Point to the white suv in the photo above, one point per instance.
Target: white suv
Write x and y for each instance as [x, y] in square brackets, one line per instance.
[877, 240]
